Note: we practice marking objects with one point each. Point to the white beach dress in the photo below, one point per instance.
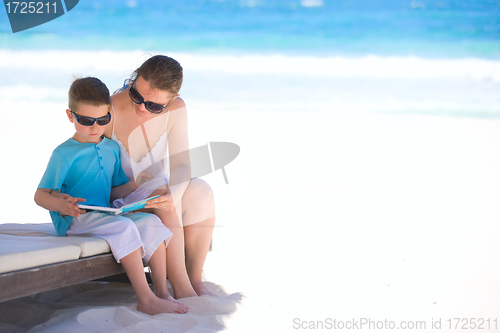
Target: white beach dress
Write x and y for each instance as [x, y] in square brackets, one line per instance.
[156, 161]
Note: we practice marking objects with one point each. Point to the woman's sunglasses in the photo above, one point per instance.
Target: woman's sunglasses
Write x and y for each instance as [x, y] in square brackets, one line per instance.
[150, 106]
[89, 121]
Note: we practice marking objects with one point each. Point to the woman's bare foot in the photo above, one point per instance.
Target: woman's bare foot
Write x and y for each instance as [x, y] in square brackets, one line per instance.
[202, 290]
[184, 292]
[158, 305]
[169, 297]
[180, 296]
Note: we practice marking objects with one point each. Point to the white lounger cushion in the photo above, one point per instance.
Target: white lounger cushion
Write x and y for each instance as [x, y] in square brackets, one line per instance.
[28, 229]
[45, 232]
[16, 253]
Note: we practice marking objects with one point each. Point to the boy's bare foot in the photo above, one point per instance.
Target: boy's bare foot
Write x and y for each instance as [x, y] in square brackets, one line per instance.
[202, 290]
[158, 305]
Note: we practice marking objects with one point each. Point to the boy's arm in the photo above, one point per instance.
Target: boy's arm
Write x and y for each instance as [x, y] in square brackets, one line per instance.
[58, 202]
[123, 190]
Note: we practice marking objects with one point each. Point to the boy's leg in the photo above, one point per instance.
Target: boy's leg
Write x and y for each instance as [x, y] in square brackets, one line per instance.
[118, 231]
[158, 265]
[123, 237]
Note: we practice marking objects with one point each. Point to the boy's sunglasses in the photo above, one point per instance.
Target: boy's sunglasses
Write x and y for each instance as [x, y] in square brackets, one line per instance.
[89, 121]
[150, 106]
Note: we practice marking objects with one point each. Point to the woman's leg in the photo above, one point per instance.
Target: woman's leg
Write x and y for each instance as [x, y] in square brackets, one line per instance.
[199, 220]
[177, 274]
[158, 265]
[192, 232]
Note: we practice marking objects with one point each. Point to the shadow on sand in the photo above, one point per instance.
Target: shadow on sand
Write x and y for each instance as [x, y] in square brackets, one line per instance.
[111, 307]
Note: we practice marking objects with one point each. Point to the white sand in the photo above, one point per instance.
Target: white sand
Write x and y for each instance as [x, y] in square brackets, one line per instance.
[326, 217]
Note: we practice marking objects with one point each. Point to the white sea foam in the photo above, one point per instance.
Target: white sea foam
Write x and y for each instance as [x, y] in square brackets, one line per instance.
[370, 65]
[132, 3]
[277, 82]
[311, 3]
[57, 60]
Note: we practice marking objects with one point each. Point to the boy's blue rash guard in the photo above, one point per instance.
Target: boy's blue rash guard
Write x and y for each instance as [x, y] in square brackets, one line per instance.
[83, 170]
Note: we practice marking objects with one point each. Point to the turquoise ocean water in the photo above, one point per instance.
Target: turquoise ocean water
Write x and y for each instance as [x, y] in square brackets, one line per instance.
[423, 56]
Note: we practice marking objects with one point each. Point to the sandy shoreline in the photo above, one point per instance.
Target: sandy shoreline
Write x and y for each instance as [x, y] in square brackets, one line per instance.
[325, 216]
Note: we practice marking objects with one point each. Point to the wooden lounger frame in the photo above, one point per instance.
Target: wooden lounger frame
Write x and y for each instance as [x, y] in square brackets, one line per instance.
[63, 274]
[35, 280]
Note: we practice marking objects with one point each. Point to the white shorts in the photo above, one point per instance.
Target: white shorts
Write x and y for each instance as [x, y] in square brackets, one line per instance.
[124, 234]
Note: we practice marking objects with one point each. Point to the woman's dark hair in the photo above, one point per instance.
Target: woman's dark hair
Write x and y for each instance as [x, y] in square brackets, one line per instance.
[162, 73]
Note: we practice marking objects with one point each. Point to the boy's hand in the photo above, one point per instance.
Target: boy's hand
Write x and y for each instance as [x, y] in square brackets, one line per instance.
[69, 205]
[144, 176]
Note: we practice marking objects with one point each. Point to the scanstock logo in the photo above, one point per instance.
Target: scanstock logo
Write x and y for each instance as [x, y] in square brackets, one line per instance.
[212, 157]
[28, 14]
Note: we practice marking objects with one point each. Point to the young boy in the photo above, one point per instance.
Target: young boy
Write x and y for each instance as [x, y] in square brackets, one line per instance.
[86, 168]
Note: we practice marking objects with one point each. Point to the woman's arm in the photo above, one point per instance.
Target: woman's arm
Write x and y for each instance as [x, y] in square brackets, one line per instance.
[58, 202]
[180, 166]
[109, 126]
[118, 101]
[178, 143]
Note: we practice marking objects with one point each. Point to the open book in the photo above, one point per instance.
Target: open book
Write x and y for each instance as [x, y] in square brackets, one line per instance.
[123, 209]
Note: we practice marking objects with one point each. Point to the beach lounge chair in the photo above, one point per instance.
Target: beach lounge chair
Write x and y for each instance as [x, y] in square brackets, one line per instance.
[33, 260]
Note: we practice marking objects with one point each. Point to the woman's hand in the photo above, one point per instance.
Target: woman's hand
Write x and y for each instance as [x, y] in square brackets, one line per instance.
[164, 201]
[69, 205]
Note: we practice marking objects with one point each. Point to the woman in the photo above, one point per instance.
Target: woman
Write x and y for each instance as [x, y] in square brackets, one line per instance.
[150, 125]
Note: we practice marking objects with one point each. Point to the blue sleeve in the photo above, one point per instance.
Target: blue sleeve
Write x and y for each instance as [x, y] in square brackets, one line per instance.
[55, 174]
[119, 177]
